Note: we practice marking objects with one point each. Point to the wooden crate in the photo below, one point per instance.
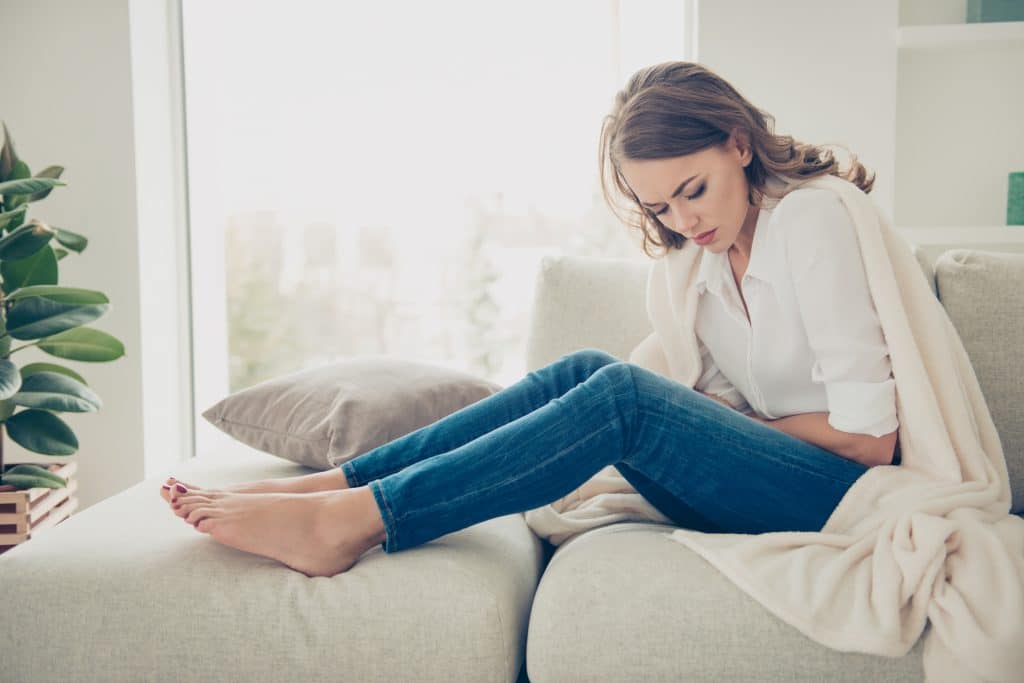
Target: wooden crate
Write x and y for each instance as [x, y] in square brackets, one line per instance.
[30, 511]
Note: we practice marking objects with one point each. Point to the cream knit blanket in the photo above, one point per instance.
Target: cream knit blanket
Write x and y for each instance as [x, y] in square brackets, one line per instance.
[928, 540]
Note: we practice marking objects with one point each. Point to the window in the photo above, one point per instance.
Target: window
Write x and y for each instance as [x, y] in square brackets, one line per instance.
[371, 179]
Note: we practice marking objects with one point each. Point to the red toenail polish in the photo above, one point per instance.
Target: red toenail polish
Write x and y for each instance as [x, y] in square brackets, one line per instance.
[181, 488]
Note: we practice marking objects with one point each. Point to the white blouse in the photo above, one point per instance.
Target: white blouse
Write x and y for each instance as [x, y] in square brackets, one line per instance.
[813, 343]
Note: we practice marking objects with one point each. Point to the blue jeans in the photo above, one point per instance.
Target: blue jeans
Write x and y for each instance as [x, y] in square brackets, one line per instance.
[704, 465]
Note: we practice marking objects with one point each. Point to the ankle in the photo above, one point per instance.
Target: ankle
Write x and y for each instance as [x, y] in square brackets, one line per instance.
[372, 522]
[363, 528]
[341, 480]
[328, 480]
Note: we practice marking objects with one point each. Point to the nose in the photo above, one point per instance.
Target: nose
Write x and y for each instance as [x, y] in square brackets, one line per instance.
[685, 222]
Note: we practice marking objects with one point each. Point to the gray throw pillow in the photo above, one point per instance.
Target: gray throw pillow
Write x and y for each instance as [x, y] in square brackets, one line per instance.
[324, 416]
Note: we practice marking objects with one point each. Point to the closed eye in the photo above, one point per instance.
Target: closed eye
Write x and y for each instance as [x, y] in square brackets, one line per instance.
[691, 197]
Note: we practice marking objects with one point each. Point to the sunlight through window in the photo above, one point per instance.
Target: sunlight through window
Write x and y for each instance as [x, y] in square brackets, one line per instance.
[384, 178]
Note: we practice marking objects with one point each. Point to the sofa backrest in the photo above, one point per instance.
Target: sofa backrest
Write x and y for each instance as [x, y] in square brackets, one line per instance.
[983, 294]
[582, 302]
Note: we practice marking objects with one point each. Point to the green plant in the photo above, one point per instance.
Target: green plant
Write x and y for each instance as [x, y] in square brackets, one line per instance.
[34, 307]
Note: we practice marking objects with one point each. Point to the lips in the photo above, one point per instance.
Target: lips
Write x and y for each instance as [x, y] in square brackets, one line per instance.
[705, 237]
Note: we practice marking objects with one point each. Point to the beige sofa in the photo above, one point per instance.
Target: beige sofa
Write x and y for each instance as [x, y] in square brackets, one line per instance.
[123, 591]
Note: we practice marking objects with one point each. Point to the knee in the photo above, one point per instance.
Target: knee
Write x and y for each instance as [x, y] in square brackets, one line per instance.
[619, 373]
[619, 379]
[641, 389]
[592, 358]
[617, 383]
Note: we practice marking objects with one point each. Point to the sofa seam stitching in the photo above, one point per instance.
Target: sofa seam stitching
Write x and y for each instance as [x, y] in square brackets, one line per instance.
[249, 425]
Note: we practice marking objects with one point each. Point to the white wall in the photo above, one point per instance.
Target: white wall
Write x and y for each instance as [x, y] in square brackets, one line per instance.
[826, 70]
[68, 100]
[958, 132]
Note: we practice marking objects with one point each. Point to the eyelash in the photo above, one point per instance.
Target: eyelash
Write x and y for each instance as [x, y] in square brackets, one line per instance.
[691, 197]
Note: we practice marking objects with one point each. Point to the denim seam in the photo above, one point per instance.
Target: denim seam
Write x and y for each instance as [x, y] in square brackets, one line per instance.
[807, 472]
[351, 469]
[558, 426]
[275, 432]
[511, 481]
[740, 435]
[729, 509]
[628, 448]
[743, 435]
[391, 523]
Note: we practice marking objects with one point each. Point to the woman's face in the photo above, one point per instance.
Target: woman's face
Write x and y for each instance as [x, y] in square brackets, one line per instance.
[714, 196]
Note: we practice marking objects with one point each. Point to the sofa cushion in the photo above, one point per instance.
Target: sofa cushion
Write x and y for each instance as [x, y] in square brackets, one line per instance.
[582, 302]
[126, 591]
[982, 294]
[626, 603]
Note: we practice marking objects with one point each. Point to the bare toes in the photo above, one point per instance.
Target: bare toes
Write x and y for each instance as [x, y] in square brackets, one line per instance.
[180, 491]
[199, 514]
[171, 481]
[192, 498]
[188, 502]
[181, 487]
[185, 509]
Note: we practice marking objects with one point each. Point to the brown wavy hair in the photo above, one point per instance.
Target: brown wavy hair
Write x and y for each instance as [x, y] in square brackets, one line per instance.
[676, 108]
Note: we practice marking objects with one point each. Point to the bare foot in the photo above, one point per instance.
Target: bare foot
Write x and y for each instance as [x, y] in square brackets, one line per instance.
[328, 480]
[318, 534]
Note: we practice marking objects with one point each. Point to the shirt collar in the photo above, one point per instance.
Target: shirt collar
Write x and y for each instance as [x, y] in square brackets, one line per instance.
[714, 267]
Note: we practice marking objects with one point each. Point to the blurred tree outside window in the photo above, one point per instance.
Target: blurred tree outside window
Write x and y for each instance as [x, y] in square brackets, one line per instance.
[386, 178]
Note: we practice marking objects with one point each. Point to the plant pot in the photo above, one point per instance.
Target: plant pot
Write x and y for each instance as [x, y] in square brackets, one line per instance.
[28, 512]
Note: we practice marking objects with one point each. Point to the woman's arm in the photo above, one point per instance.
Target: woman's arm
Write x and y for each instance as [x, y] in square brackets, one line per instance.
[814, 428]
[844, 332]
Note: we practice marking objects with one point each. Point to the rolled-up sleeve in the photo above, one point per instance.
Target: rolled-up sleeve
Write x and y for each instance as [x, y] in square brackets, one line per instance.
[843, 330]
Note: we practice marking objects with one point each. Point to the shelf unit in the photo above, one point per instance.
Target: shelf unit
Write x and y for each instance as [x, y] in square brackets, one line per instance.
[949, 35]
[957, 130]
[967, 235]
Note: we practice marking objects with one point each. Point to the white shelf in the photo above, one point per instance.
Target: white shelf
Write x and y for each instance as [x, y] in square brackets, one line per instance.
[947, 35]
[1000, 234]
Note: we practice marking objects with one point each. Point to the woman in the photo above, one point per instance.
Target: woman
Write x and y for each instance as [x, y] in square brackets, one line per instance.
[796, 400]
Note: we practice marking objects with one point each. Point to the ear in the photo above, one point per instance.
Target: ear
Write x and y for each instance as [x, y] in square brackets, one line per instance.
[741, 142]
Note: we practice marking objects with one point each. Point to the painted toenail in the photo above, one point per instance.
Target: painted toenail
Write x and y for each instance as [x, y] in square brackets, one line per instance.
[181, 488]
[166, 487]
